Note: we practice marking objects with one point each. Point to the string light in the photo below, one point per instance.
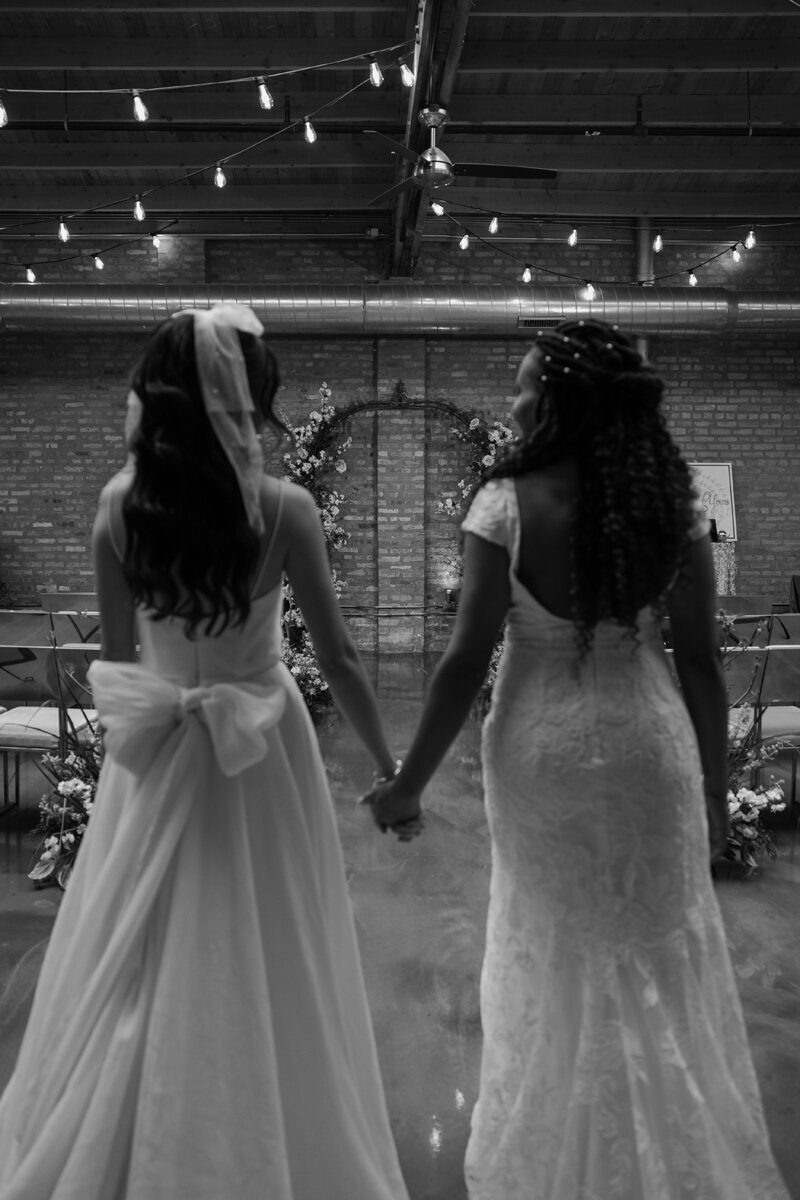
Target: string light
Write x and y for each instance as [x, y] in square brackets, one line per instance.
[139, 107]
[494, 225]
[750, 240]
[375, 73]
[735, 255]
[464, 243]
[264, 94]
[658, 243]
[309, 132]
[138, 209]
[572, 240]
[526, 274]
[98, 262]
[219, 177]
[437, 208]
[3, 114]
[156, 240]
[407, 76]
[30, 275]
[63, 232]
[692, 279]
[590, 290]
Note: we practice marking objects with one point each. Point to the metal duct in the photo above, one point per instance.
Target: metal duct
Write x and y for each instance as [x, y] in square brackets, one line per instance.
[403, 309]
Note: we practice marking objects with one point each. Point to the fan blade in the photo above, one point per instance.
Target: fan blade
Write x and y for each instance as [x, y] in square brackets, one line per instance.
[498, 171]
[394, 191]
[398, 147]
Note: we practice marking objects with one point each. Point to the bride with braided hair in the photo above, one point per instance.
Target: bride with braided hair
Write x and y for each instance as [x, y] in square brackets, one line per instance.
[615, 1060]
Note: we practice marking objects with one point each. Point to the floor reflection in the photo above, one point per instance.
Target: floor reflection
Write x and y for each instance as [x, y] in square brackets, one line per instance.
[420, 911]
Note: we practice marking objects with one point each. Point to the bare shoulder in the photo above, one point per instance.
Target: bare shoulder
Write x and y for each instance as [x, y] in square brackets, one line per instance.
[298, 505]
[118, 484]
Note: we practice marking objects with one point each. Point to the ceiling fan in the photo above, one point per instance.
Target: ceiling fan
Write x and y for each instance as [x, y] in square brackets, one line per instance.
[433, 169]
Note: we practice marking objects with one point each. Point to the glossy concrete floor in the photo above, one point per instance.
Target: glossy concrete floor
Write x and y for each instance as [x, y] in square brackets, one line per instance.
[420, 912]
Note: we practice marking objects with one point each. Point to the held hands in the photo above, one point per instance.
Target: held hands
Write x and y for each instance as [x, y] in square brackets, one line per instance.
[393, 809]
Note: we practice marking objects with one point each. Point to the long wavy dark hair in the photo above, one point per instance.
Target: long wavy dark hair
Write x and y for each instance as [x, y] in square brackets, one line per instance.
[600, 405]
[190, 550]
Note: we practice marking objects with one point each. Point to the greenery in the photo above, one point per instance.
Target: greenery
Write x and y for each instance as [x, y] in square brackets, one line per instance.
[65, 810]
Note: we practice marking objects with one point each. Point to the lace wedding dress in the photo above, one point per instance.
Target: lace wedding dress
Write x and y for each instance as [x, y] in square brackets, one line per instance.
[615, 1062]
[200, 1029]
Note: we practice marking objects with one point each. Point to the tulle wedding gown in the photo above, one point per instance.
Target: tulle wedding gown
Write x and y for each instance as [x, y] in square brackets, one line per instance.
[200, 1029]
[615, 1063]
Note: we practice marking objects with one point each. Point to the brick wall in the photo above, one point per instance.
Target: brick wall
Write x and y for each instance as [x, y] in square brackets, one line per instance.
[731, 398]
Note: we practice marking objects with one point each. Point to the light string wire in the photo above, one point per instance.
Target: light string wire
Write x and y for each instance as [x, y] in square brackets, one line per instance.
[528, 262]
[178, 87]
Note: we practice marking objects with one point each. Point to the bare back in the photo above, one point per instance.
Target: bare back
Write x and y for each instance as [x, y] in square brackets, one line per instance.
[546, 499]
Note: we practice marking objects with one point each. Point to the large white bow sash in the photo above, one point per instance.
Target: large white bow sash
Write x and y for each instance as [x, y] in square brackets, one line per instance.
[135, 705]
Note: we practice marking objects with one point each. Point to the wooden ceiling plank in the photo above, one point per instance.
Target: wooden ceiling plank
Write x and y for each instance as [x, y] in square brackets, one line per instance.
[630, 8]
[177, 156]
[661, 56]
[288, 198]
[193, 6]
[180, 54]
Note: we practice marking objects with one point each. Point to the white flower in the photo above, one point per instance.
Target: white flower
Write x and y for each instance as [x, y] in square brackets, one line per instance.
[487, 460]
[315, 416]
[474, 423]
[749, 833]
[302, 452]
[341, 466]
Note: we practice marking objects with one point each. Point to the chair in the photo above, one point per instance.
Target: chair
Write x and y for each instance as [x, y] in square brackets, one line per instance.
[779, 706]
[24, 627]
[40, 721]
[785, 629]
[69, 627]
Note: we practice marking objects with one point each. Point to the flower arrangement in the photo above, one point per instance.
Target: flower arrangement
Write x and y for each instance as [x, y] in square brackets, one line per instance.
[485, 439]
[65, 810]
[318, 452]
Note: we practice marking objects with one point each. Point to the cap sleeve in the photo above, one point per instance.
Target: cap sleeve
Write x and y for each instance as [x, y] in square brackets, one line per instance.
[488, 515]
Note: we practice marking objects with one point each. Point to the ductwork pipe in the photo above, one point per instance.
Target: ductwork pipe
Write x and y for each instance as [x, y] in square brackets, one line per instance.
[403, 309]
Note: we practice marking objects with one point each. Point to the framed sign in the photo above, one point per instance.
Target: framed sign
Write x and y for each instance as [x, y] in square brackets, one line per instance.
[714, 484]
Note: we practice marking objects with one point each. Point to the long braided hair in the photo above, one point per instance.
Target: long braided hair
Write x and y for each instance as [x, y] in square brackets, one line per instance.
[600, 404]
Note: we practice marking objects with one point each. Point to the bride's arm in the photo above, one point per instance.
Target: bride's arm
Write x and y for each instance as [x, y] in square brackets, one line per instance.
[117, 624]
[308, 572]
[482, 607]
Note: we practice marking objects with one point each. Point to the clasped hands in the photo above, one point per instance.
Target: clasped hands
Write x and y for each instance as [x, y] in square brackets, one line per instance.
[394, 809]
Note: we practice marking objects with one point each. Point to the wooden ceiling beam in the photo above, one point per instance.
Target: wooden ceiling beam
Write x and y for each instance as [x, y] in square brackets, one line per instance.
[655, 156]
[293, 198]
[368, 108]
[217, 6]
[210, 54]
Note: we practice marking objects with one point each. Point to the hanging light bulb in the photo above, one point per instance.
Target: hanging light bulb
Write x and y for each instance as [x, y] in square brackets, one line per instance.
[590, 290]
[139, 107]
[572, 240]
[526, 274]
[494, 225]
[138, 209]
[63, 232]
[219, 177]
[264, 94]
[30, 275]
[407, 76]
[156, 240]
[437, 208]
[750, 240]
[3, 114]
[658, 243]
[98, 262]
[309, 132]
[375, 73]
[464, 243]
[735, 255]
[692, 279]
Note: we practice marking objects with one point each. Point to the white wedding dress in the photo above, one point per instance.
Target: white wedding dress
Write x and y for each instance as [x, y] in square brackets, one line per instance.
[200, 1029]
[615, 1062]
